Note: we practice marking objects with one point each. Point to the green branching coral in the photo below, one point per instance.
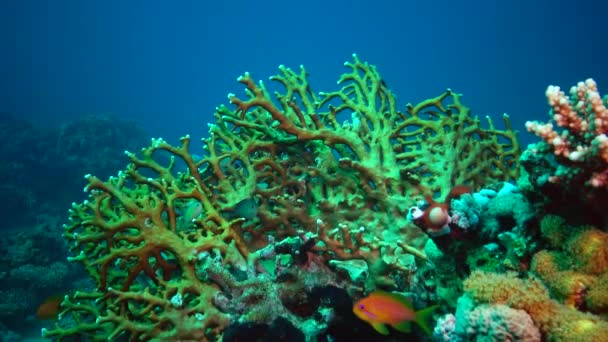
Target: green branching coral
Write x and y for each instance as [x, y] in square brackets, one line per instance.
[173, 256]
[436, 142]
[443, 145]
[128, 237]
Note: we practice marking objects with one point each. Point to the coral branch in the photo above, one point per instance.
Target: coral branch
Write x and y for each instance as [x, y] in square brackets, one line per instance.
[581, 143]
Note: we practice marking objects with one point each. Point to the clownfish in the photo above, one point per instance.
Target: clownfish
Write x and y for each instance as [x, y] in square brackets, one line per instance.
[384, 308]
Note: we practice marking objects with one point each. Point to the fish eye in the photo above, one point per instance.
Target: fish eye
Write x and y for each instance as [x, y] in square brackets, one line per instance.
[361, 306]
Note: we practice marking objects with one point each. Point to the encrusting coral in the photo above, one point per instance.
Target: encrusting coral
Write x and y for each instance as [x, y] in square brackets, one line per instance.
[556, 321]
[564, 289]
[575, 264]
[174, 257]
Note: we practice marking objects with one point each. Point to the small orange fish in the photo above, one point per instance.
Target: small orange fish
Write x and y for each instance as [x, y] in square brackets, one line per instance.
[49, 309]
[384, 308]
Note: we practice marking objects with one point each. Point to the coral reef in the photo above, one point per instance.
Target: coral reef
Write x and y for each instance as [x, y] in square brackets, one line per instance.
[575, 264]
[584, 119]
[175, 257]
[89, 144]
[572, 160]
[495, 322]
[40, 172]
[33, 267]
[302, 203]
[556, 321]
[563, 286]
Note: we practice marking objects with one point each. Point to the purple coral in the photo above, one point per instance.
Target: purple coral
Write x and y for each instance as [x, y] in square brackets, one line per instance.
[444, 329]
[501, 323]
[494, 322]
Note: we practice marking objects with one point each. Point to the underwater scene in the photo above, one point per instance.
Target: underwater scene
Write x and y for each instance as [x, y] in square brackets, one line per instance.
[352, 198]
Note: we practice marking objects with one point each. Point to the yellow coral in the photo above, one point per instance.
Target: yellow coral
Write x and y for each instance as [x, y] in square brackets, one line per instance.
[597, 297]
[556, 321]
[505, 289]
[589, 250]
[565, 284]
[547, 263]
[585, 246]
[576, 269]
[554, 229]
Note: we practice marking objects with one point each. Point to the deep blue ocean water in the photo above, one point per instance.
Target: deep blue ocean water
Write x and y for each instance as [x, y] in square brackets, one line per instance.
[169, 65]
[82, 81]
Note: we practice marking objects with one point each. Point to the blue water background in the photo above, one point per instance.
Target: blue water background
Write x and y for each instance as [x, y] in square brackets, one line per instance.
[168, 64]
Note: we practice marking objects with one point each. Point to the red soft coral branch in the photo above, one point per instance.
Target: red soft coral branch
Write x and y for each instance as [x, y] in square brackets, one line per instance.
[583, 119]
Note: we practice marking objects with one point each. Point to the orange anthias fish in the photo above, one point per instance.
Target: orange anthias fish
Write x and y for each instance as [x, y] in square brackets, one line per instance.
[384, 308]
[49, 309]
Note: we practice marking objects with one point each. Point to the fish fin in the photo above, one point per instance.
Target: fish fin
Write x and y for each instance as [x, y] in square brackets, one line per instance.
[381, 328]
[401, 299]
[404, 326]
[423, 318]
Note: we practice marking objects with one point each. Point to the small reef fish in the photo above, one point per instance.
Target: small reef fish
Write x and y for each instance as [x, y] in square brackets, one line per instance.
[247, 209]
[49, 309]
[384, 308]
[188, 212]
[193, 209]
